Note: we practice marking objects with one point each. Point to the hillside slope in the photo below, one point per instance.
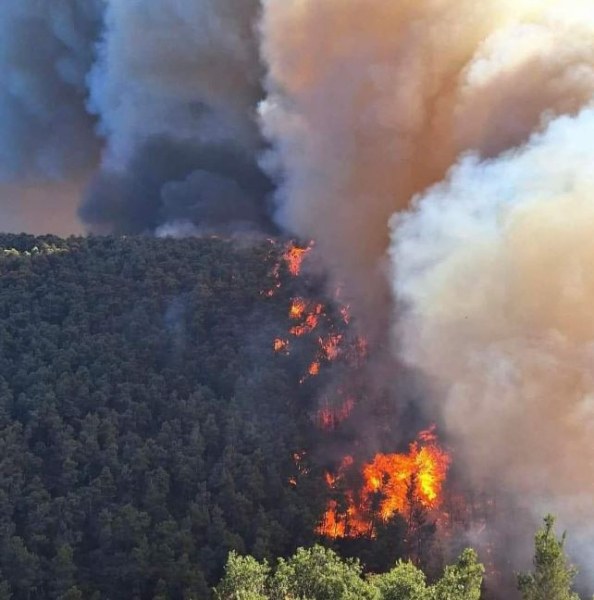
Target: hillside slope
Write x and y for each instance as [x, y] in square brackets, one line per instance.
[146, 425]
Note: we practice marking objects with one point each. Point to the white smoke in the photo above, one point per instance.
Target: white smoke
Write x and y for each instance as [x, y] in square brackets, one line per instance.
[370, 103]
[493, 275]
[366, 105]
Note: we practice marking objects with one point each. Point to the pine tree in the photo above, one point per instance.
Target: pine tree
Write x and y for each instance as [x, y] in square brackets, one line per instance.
[553, 576]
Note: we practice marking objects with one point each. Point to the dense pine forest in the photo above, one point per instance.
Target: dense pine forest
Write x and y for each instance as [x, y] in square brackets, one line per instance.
[147, 426]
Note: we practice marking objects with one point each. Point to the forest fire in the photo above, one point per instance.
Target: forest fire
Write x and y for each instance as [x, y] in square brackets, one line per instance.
[281, 345]
[330, 417]
[330, 346]
[294, 257]
[345, 313]
[308, 314]
[392, 484]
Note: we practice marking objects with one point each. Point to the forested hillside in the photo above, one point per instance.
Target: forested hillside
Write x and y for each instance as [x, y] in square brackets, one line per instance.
[147, 427]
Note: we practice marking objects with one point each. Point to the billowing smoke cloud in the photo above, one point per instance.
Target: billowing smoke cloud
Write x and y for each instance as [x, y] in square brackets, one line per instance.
[180, 187]
[46, 135]
[370, 103]
[46, 50]
[494, 270]
[365, 106]
[176, 89]
[158, 98]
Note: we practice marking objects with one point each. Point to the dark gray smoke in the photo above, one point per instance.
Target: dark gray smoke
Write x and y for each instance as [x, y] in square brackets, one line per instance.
[172, 185]
[176, 89]
[158, 98]
[46, 51]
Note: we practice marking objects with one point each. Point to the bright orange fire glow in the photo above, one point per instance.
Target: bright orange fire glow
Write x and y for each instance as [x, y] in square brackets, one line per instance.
[314, 368]
[281, 345]
[393, 483]
[294, 256]
[298, 308]
[309, 315]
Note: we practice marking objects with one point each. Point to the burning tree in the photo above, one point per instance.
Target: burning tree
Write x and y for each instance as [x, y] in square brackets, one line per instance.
[393, 484]
[396, 491]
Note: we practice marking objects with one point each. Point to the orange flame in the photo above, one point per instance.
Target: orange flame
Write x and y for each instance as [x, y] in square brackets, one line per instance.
[308, 314]
[281, 345]
[314, 368]
[294, 257]
[393, 483]
[298, 308]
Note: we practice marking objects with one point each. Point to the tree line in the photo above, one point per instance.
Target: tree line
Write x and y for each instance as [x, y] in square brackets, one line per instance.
[319, 573]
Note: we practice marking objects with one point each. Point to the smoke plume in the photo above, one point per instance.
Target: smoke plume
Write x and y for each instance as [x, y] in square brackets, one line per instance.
[159, 98]
[47, 142]
[493, 271]
[369, 104]
[46, 50]
[175, 90]
[470, 121]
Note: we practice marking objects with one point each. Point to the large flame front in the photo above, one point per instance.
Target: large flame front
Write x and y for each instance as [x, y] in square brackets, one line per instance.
[392, 484]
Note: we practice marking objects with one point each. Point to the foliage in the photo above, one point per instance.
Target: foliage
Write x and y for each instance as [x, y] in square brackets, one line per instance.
[245, 579]
[146, 426]
[403, 582]
[319, 573]
[461, 581]
[552, 577]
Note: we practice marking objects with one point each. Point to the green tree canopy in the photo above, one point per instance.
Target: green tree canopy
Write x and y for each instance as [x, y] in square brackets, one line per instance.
[461, 581]
[245, 579]
[403, 582]
[318, 573]
[552, 577]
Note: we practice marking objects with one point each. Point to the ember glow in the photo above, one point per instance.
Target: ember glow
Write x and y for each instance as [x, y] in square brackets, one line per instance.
[281, 345]
[297, 309]
[307, 314]
[392, 484]
[314, 368]
[294, 257]
[330, 346]
[329, 417]
[346, 315]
